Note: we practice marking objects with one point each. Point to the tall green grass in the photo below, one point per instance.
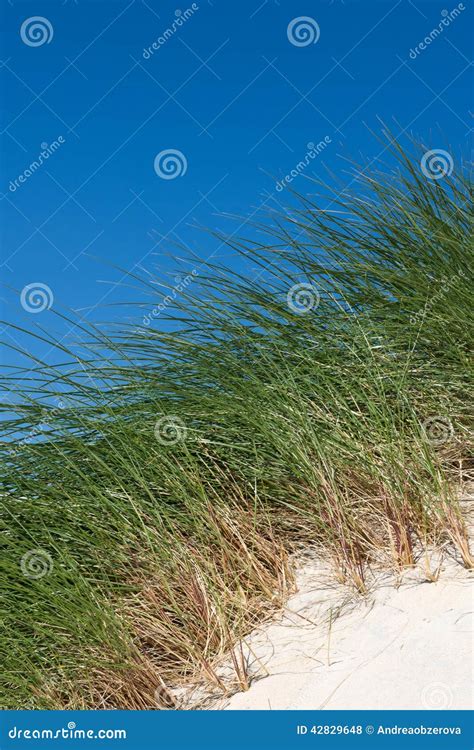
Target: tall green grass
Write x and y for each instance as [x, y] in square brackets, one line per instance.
[323, 399]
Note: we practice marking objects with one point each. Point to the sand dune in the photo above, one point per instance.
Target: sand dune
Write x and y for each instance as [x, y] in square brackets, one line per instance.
[409, 647]
[407, 644]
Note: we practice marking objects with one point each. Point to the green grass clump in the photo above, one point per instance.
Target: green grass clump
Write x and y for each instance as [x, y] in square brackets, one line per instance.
[322, 400]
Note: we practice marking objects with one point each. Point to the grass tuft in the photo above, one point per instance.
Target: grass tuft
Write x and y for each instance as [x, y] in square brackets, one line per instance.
[321, 399]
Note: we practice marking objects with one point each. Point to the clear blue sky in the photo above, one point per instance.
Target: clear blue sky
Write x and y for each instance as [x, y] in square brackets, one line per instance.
[229, 90]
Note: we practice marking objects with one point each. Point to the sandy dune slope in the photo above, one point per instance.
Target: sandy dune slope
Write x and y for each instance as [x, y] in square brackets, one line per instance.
[408, 644]
[404, 647]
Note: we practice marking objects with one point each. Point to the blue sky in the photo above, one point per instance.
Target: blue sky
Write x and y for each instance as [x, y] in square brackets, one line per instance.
[231, 88]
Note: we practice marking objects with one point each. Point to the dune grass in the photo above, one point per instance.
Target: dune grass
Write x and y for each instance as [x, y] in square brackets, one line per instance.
[321, 399]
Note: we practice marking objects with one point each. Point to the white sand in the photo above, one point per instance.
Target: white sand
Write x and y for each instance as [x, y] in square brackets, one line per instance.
[407, 644]
[400, 648]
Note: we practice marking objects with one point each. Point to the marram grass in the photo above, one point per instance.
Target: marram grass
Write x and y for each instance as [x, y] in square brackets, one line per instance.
[323, 399]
